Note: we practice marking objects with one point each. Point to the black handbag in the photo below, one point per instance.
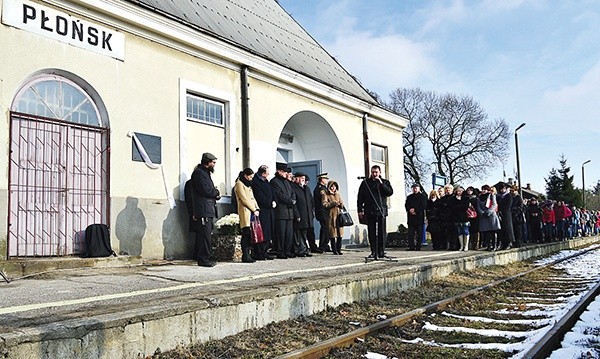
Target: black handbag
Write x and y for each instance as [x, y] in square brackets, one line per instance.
[344, 218]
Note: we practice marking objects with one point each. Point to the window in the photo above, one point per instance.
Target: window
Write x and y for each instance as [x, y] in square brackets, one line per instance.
[58, 98]
[200, 109]
[379, 157]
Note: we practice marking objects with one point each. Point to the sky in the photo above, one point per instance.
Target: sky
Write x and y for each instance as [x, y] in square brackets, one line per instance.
[525, 61]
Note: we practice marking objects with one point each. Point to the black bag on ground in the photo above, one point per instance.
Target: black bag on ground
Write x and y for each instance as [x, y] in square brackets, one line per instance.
[97, 240]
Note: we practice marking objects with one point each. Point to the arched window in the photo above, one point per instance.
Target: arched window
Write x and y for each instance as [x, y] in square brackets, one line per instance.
[58, 98]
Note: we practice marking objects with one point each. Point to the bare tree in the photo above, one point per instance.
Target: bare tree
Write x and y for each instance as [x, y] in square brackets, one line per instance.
[453, 132]
[412, 104]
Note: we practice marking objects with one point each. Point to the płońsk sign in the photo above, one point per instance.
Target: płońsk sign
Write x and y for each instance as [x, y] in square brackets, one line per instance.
[45, 21]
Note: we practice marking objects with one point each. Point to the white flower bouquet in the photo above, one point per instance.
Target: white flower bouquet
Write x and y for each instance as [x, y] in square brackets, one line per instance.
[229, 224]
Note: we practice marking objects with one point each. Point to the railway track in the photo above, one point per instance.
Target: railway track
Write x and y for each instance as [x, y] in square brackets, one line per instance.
[523, 316]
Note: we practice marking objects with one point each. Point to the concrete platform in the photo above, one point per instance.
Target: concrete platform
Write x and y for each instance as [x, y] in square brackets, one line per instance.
[131, 311]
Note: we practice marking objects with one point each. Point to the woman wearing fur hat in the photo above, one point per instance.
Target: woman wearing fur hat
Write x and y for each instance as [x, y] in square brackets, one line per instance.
[332, 203]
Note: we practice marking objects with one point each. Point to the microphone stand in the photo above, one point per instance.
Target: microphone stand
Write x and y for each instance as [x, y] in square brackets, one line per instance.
[375, 256]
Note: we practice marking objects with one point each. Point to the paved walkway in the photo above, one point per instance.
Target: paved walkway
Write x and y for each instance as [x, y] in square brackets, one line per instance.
[131, 311]
[68, 293]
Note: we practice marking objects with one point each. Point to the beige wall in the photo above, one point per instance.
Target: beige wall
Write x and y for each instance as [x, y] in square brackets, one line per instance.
[143, 93]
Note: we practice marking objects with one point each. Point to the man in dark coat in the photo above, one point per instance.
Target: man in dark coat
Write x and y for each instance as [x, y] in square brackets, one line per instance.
[415, 205]
[310, 232]
[285, 200]
[304, 207]
[320, 212]
[506, 235]
[534, 221]
[518, 217]
[263, 193]
[205, 196]
[372, 203]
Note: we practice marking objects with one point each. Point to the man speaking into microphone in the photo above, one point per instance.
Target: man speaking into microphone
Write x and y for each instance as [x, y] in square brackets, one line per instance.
[372, 203]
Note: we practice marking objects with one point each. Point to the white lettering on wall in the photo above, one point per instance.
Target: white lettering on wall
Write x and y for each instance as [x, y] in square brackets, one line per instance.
[45, 21]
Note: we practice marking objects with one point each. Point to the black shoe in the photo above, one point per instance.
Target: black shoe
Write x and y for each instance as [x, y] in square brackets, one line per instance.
[317, 250]
[269, 257]
[206, 264]
[300, 255]
[308, 255]
[410, 249]
[372, 255]
[282, 256]
[291, 255]
[248, 260]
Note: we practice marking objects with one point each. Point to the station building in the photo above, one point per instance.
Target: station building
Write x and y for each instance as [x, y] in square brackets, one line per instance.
[109, 104]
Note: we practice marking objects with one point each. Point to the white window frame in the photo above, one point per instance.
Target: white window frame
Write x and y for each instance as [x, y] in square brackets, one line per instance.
[207, 119]
[381, 163]
[230, 142]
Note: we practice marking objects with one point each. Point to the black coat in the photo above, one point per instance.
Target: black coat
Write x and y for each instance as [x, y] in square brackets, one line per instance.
[285, 198]
[372, 197]
[432, 212]
[458, 209]
[304, 206]
[417, 201]
[204, 193]
[320, 212]
[517, 210]
[263, 194]
[445, 210]
[504, 212]
[534, 214]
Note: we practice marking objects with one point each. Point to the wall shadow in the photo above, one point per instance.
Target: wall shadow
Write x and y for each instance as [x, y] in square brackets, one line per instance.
[178, 242]
[130, 228]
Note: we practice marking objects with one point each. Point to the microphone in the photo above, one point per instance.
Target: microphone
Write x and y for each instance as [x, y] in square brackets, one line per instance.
[361, 177]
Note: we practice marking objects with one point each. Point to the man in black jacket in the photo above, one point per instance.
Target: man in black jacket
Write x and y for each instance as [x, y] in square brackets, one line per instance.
[415, 208]
[263, 193]
[205, 196]
[372, 203]
[320, 212]
[285, 200]
[506, 234]
[304, 207]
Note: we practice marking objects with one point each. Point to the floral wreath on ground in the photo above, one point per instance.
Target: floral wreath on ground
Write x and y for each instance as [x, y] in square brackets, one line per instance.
[229, 224]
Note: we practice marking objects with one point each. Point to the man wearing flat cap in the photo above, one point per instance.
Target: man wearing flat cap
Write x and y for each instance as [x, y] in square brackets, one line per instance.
[320, 212]
[284, 214]
[205, 196]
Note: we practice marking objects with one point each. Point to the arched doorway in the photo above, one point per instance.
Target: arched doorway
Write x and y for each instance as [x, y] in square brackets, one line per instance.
[58, 171]
[309, 144]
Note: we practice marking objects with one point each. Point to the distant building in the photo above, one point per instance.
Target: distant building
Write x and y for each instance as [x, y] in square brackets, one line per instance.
[240, 79]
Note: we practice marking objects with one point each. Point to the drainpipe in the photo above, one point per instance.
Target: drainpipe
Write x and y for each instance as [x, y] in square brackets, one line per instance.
[366, 145]
[245, 119]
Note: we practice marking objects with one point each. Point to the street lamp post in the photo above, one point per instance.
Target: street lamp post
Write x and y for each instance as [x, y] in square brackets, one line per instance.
[583, 180]
[518, 162]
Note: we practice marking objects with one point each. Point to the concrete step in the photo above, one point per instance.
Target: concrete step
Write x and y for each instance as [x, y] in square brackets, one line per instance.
[24, 267]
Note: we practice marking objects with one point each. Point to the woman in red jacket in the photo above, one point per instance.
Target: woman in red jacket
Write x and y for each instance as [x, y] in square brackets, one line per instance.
[549, 221]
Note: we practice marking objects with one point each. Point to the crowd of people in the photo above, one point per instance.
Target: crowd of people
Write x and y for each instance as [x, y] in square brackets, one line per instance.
[457, 219]
[285, 206]
[493, 218]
